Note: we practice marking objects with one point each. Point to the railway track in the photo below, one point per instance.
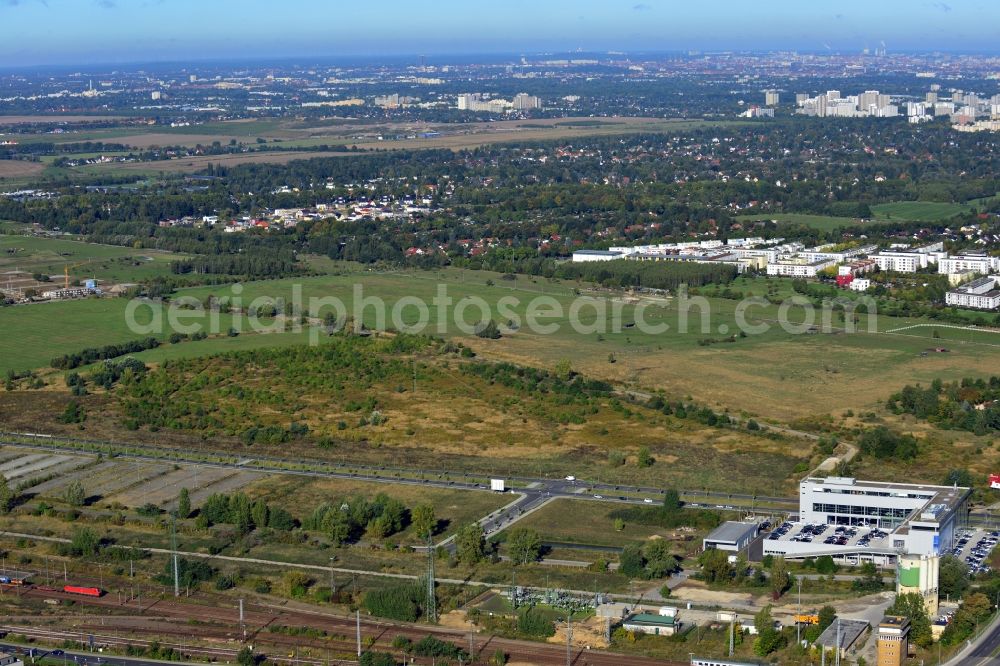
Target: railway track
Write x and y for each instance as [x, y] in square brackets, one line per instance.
[258, 619]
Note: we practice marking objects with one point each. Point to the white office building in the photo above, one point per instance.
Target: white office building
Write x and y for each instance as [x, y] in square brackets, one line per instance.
[915, 519]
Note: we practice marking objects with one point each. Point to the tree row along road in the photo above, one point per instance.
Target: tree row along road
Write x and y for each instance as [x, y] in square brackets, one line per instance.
[258, 618]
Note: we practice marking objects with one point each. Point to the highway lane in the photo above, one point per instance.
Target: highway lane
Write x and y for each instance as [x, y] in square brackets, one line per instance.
[987, 651]
[74, 658]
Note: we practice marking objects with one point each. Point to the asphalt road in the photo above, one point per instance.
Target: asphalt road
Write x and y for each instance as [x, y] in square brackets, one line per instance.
[72, 658]
[986, 652]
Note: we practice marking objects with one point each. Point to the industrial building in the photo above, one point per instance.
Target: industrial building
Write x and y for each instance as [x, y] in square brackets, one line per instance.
[893, 640]
[584, 256]
[731, 536]
[918, 574]
[842, 635]
[856, 520]
[656, 625]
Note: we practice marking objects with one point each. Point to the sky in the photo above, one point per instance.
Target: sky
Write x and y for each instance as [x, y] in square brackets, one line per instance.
[69, 32]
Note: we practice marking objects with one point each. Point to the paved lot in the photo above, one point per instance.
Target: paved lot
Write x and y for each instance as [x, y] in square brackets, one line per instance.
[839, 535]
[974, 547]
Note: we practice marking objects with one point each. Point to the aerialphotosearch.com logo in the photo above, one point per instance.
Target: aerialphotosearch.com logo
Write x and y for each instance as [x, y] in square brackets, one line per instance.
[443, 314]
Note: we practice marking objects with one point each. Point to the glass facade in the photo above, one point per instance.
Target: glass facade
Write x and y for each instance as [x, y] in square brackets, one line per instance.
[850, 514]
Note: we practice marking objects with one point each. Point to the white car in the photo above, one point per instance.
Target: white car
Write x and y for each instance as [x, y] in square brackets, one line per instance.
[571, 478]
[598, 496]
[648, 501]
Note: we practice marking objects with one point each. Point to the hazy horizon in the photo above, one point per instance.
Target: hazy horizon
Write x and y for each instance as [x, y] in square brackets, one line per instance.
[95, 32]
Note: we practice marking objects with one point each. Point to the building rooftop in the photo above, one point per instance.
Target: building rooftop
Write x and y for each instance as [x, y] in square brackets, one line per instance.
[650, 619]
[850, 631]
[730, 531]
[939, 500]
[978, 283]
[894, 624]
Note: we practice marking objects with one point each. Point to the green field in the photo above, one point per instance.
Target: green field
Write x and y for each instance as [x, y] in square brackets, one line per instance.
[592, 524]
[918, 211]
[760, 373]
[109, 263]
[31, 335]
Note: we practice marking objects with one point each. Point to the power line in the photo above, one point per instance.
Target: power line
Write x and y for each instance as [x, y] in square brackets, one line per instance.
[173, 546]
[431, 600]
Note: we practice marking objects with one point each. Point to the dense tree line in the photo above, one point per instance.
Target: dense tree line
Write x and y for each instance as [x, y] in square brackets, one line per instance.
[398, 602]
[970, 404]
[572, 386]
[258, 265]
[92, 354]
[651, 275]
[113, 370]
[243, 513]
[881, 442]
[347, 520]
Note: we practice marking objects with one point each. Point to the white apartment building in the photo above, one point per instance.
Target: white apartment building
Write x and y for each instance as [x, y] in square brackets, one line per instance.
[798, 266]
[977, 263]
[525, 102]
[476, 102]
[981, 294]
[870, 103]
[859, 284]
[903, 262]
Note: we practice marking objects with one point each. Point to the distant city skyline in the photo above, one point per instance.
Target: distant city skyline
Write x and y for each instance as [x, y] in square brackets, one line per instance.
[66, 32]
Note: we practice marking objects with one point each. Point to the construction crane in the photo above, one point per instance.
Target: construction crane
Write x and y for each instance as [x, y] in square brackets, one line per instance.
[68, 268]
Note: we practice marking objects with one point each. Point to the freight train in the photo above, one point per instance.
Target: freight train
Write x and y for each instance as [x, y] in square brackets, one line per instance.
[74, 589]
[85, 591]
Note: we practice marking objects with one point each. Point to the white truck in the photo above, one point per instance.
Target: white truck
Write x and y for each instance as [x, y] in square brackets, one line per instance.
[498, 485]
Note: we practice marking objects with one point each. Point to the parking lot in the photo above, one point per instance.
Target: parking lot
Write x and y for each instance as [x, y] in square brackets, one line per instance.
[830, 535]
[974, 547]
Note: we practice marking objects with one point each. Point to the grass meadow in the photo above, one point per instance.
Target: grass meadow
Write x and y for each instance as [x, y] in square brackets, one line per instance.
[761, 374]
[918, 211]
[51, 256]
